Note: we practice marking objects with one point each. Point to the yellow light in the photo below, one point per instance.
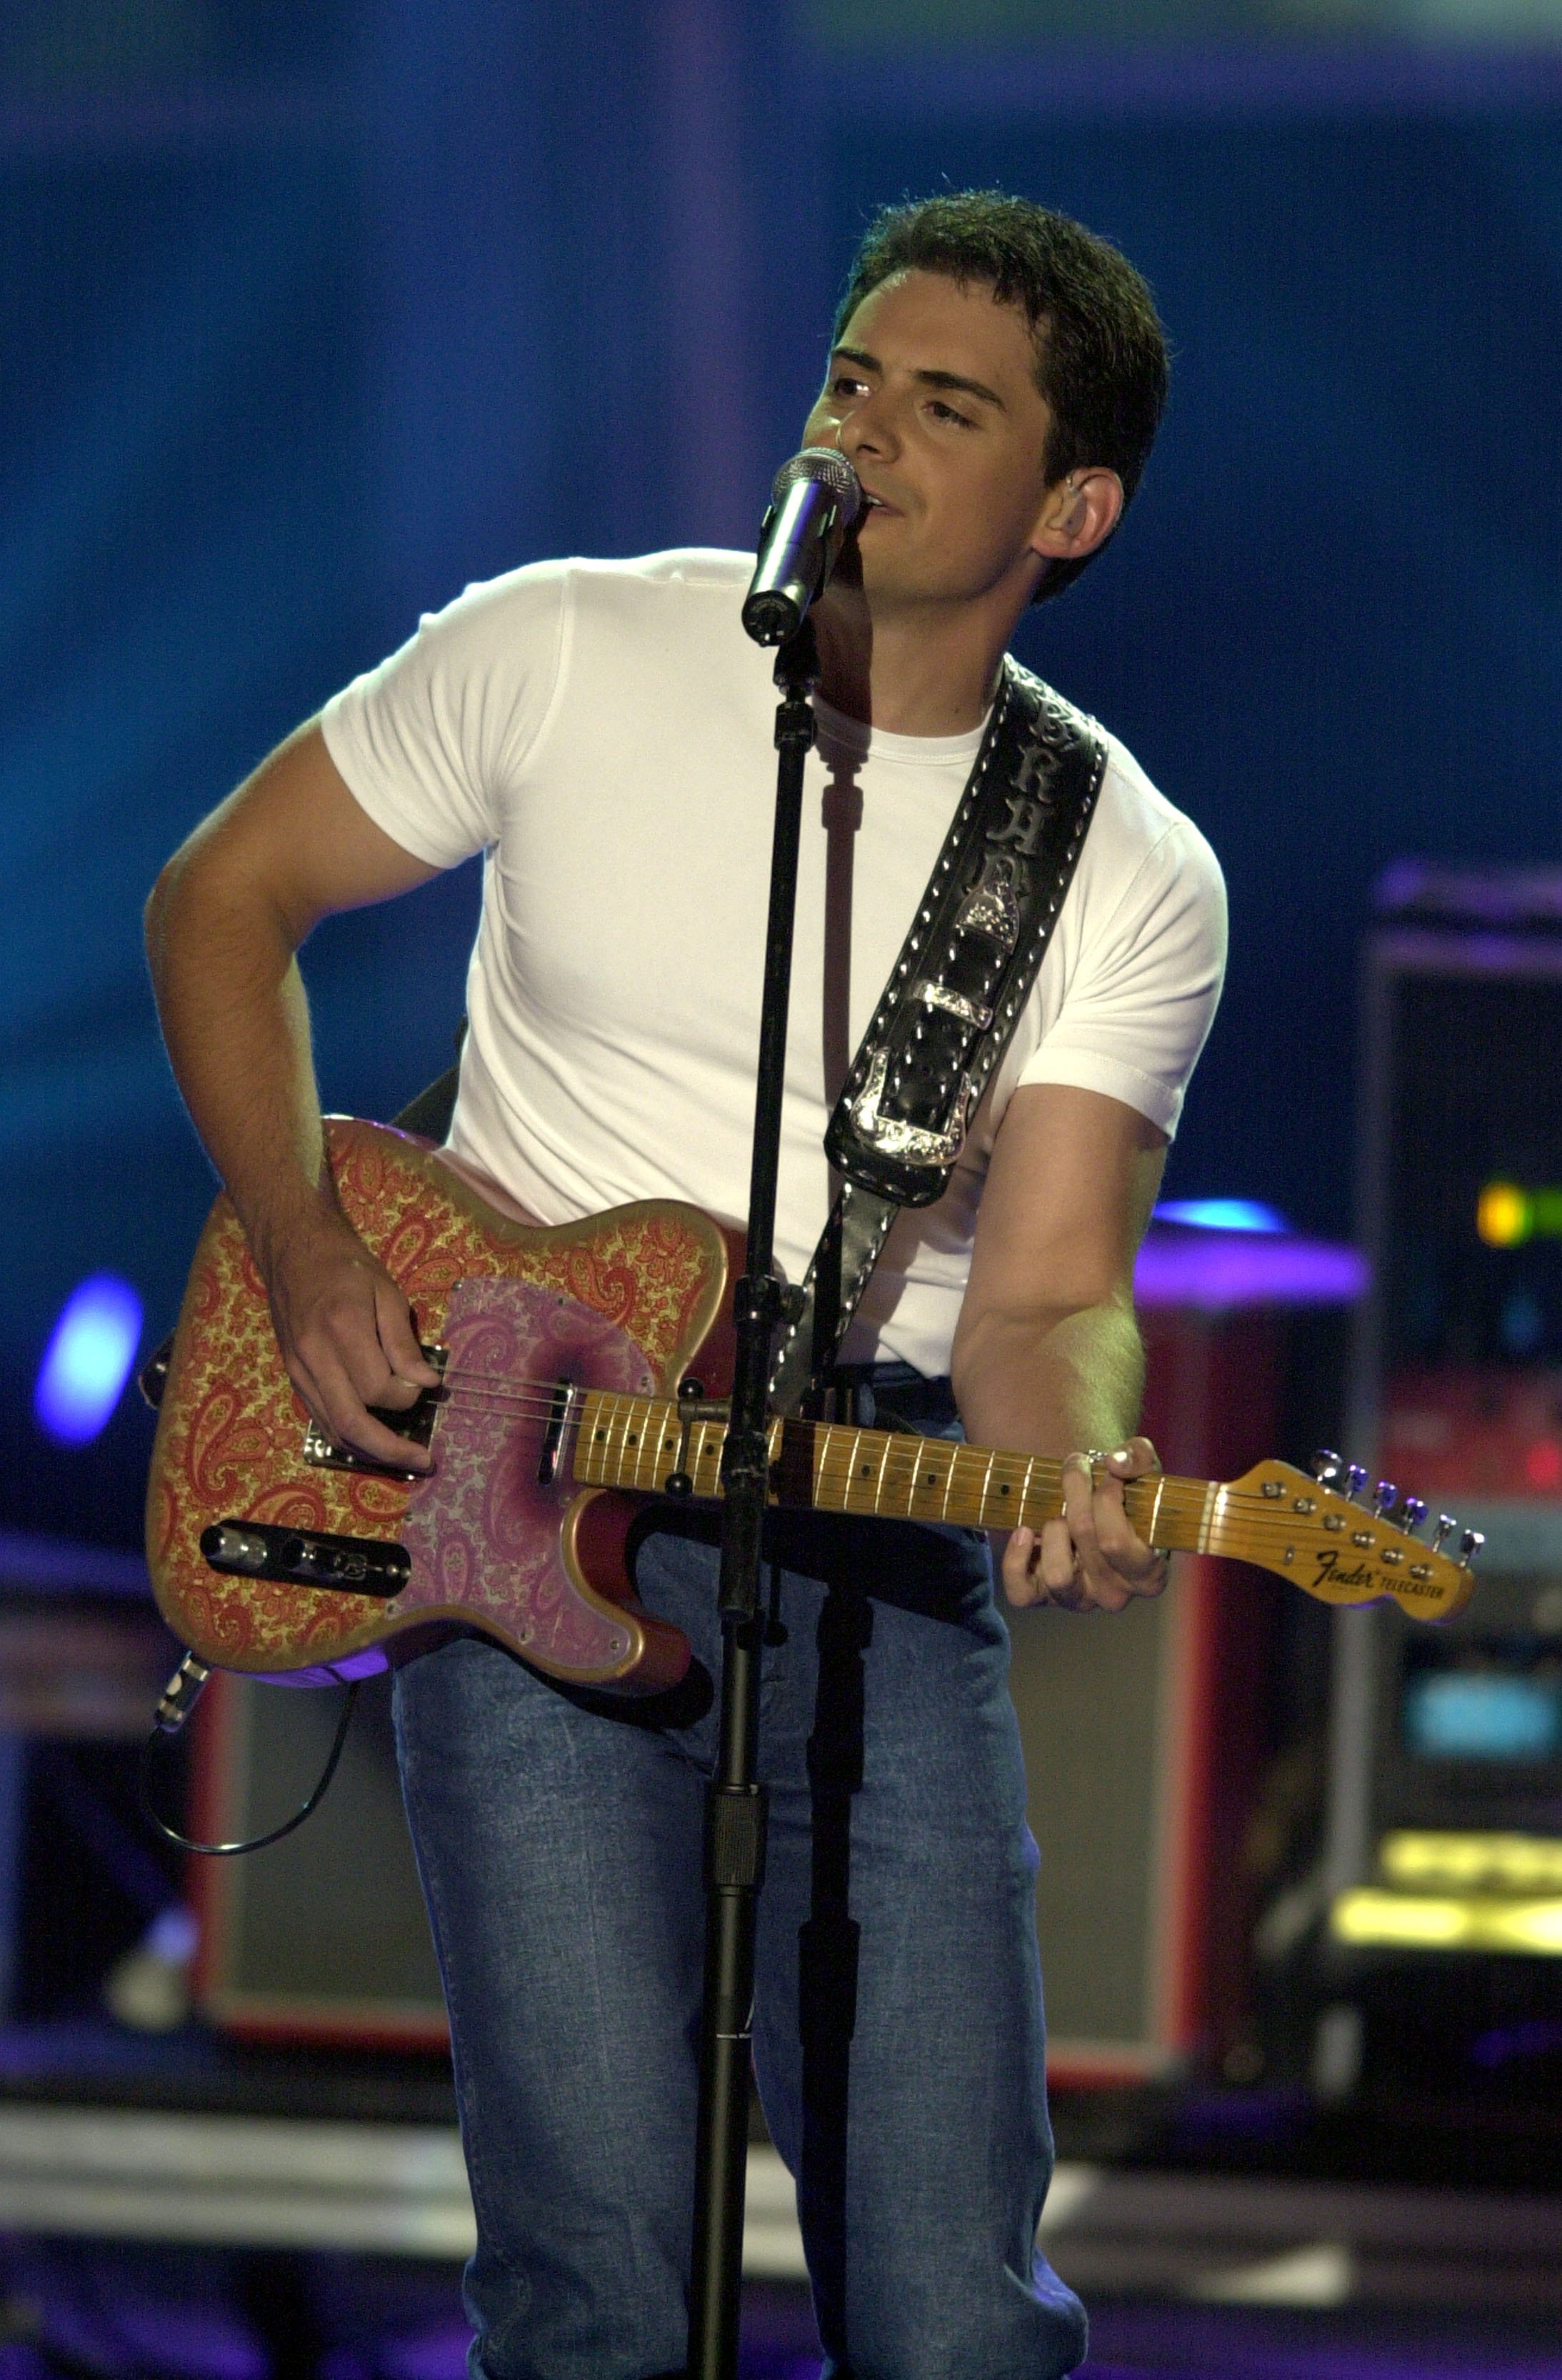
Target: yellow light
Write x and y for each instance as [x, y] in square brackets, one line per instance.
[1532, 1926]
[1503, 1216]
[1467, 1863]
[1414, 1922]
[1400, 1917]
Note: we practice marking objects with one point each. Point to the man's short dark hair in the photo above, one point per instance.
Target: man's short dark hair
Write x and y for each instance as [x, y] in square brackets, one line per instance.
[1101, 353]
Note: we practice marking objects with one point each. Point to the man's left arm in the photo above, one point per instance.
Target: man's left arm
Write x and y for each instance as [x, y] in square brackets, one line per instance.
[1047, 1358]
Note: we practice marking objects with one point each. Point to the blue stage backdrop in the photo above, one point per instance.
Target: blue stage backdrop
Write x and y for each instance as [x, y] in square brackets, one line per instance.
[304, 335]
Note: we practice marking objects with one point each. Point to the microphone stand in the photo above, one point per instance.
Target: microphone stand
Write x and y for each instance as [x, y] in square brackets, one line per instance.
[735, 1804]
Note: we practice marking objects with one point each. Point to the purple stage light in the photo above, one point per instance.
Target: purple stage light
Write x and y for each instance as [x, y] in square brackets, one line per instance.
[1217, 1269]
[88, 1359]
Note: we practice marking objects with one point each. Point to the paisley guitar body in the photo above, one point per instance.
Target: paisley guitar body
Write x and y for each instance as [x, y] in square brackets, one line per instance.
[501, 1537]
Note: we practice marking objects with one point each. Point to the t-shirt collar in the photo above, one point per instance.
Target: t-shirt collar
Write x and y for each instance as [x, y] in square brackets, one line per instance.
[875, 743]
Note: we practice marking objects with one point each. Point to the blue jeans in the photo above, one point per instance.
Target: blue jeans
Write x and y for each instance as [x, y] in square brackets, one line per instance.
[898, 2027]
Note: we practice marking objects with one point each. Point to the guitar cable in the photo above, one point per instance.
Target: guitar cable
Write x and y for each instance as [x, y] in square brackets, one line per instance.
[179, 1698]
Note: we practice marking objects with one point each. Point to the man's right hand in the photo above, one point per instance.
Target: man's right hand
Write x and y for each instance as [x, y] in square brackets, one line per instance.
[226, 918]
[348, 1339]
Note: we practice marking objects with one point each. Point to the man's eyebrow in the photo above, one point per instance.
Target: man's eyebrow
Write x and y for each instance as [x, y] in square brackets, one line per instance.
[929, 379]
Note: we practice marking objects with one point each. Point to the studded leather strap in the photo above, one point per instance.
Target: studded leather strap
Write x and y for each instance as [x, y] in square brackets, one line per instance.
[952, 1001]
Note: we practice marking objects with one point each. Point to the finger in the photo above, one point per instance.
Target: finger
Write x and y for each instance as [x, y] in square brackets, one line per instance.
[344, 1415]
[1136, 1459]
[1079, 1503]
[1103, 1591]
[346, 1330]
[1017, 1570]
[1058, 1565]
[1124, 1549]
[400, 1344]
[339, 1415]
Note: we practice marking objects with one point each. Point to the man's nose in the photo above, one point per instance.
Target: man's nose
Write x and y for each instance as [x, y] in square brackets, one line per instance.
[867, 428]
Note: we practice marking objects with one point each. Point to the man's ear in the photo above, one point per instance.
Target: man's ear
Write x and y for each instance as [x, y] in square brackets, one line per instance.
[1077, 514]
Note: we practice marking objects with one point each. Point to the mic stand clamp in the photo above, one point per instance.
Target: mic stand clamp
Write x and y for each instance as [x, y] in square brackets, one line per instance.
[735, 1805]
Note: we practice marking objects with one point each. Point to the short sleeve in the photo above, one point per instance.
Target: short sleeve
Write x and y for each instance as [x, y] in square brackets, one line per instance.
[1145, 992]
[427, 741]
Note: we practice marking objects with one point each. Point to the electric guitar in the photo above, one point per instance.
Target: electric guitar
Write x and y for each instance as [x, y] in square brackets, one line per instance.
[582, 1370]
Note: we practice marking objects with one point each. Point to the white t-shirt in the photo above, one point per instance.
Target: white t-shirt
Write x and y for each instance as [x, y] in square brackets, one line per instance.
[602, 731]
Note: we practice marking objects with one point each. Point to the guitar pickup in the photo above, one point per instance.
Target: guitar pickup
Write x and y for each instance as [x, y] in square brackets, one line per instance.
[307, 1557]
[414, 1423]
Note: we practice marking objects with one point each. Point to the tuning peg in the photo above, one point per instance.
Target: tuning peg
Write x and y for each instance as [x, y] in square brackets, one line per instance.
[1355, 1480]
[1385, 1501]
[1412, 1514]
[1326, 1467]
[1447, 1525]
[1469, 1545]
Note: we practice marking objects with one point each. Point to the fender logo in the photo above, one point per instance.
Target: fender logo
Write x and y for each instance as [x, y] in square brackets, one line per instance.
[1331, 1574]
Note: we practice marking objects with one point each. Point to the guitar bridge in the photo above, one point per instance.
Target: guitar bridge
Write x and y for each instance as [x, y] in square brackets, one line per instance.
[413, 1422]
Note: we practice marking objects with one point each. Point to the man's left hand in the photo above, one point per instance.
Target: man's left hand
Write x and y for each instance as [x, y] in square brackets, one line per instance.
[1091, 1559]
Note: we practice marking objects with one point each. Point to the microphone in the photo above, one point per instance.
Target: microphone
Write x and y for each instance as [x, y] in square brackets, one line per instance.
[814, 500]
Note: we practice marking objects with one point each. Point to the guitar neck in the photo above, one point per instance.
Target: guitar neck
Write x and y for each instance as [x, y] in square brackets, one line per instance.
[640, 1442]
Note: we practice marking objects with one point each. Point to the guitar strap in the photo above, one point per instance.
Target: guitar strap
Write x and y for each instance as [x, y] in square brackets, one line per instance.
[951, 1004]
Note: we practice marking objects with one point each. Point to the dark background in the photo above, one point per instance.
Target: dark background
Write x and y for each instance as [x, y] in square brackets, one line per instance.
[311, 314]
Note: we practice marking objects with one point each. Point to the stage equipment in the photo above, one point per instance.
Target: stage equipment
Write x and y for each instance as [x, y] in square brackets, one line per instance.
[322, 1938]
[1143, 1738]
[1443, 1834]
[813, 501]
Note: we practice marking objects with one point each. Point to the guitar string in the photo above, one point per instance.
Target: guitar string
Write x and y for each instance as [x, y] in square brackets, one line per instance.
[540, 1399]
[1242, 1516]
[1189, 1493]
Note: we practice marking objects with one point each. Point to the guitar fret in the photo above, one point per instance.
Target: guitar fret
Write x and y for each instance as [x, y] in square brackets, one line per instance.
[606, 1458]
[1027, 1519]
[851, 1500]
[619, 1437]
[633, 1442]
[630, 1443]
[635, 1437]
[643, 1438]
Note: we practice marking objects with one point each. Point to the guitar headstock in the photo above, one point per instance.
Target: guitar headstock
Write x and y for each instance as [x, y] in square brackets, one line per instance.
[1313, 1531]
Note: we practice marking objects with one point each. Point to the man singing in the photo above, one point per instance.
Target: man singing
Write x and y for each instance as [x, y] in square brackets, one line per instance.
[600, 731]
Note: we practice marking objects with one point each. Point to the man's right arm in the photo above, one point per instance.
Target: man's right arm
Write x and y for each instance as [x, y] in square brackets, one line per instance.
[223, 923]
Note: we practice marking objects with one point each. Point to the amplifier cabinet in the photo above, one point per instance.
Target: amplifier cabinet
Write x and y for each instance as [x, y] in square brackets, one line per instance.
[1445, 1834]
[323, 1936]
[1142, 1735]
